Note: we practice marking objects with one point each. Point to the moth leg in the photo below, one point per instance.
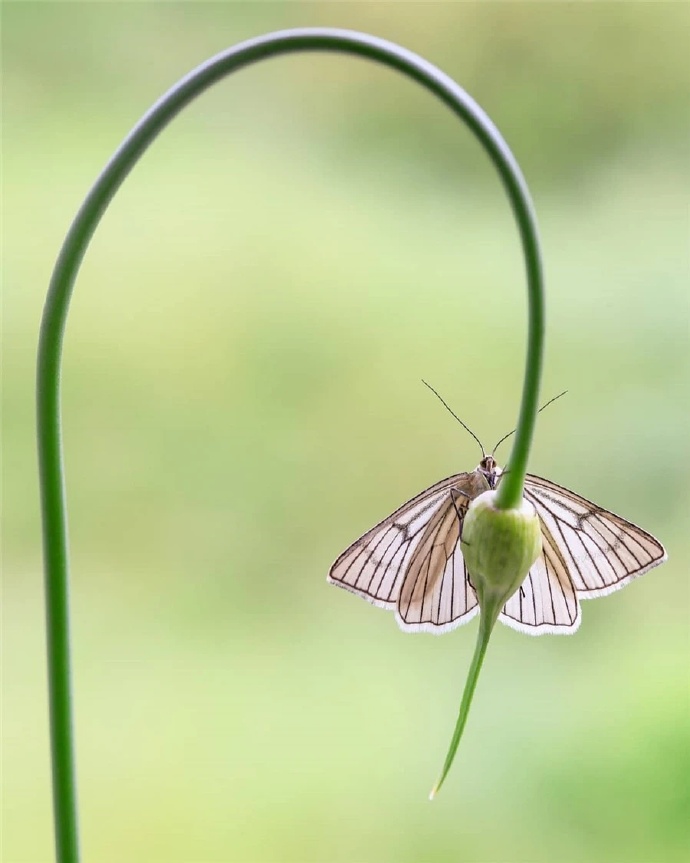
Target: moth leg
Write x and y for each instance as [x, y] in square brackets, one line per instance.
[461, 518]
[453, 493]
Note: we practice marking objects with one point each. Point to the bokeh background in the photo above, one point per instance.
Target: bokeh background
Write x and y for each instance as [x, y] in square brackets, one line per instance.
[242, 398]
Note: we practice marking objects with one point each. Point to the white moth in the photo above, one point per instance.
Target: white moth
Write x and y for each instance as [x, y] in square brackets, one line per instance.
[412, 561]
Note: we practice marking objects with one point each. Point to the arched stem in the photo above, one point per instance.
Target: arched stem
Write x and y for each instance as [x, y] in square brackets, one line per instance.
[57, 304]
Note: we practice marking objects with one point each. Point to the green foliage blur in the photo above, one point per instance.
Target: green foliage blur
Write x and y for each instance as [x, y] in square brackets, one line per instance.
[242, 398]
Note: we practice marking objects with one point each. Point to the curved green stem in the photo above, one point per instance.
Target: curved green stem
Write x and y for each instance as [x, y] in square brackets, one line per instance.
[57, 304]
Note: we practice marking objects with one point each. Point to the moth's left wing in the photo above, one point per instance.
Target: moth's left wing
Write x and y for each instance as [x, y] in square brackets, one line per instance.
[436, 595]
[601, 551]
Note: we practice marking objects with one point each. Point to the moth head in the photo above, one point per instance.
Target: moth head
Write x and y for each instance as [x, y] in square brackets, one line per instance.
[490, 470]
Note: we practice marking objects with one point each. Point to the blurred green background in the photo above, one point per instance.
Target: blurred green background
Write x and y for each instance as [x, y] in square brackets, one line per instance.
[242, 398]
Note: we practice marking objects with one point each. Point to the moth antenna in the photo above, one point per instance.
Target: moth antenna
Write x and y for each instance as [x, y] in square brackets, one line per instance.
[456, 416]
[505, 437]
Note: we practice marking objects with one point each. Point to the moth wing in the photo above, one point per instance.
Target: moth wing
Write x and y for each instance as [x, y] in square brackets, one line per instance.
[546, 602]
[374, 566]
[436, 595]
[601, 551]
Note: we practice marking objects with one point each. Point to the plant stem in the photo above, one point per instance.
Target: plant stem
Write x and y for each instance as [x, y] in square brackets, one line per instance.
[488, 614]
[57, 304]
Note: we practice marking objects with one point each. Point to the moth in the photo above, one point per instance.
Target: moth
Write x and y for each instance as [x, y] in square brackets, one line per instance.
[412, 561]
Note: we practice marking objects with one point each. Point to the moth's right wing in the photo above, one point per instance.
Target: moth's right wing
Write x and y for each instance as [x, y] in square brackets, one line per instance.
[374, 566]
[602, 552]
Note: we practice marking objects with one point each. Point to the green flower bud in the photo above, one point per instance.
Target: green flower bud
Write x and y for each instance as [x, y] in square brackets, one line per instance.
[499, 547]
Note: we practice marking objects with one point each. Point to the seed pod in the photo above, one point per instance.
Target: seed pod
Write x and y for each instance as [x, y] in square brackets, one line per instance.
[499, 546]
